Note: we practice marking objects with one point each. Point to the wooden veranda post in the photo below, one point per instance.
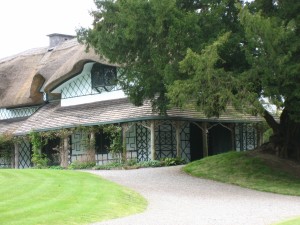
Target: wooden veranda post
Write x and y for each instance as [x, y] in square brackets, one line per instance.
[64, 153]
[178, 139]
[152, 129]
[204, 139]
[16, 155]
[92, 150]
[124, 152]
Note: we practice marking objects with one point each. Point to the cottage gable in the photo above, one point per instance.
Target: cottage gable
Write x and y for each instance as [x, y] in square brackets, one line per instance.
[96, 82]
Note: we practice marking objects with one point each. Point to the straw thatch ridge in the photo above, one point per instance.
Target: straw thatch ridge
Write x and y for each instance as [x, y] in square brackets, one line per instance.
[23, 76]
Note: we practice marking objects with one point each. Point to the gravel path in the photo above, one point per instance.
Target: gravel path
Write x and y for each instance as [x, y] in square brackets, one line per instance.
[176, 198]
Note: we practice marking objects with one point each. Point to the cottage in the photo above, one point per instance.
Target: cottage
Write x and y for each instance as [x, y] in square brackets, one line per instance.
[62, 87]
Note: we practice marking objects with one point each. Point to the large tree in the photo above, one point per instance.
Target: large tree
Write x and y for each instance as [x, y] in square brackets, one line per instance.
[208, 53]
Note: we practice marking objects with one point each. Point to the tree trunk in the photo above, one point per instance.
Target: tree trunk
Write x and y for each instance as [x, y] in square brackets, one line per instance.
[285, 141]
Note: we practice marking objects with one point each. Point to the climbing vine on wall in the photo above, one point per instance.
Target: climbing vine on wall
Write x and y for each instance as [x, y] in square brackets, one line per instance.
[6, 146]
[39, 160]
[115, 134]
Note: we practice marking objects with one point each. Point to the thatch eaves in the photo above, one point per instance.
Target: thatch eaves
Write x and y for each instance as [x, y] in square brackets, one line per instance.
[16, 75]
[72, 62]
[23, 76]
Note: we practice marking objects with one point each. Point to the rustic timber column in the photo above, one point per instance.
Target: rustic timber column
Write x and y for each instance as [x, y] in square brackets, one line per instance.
[204, 139]
[16, 155]
[64, 153]
[152, 129]
[92, 151]
[124, 152]
[260, 136]
[178, 139]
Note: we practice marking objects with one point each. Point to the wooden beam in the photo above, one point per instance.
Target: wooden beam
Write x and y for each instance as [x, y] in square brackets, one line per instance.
[152, 129]
[16, 155]
[124, 152]
[204, 139]
[92, 150]
[178, 139]
[64, 153]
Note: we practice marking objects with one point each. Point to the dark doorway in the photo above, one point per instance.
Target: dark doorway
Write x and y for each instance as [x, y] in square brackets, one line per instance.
[102, 143]
[51, 150]
[219, 140]
[196, 142]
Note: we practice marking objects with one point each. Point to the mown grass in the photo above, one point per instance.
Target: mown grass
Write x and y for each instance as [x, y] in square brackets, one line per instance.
[245, 170]
[295, 221]
[62, 197]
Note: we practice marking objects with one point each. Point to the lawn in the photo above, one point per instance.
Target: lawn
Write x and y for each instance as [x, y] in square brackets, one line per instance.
[295, 221]
[62, 197]
[246, 170]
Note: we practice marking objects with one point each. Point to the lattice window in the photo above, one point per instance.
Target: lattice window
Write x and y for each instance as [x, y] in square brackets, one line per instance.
[79, 143]
[83, 85]
[79, 87]
[5, 162]
[17, 113]
[24, 155]
[142, 143]
[131, 143]
[245, 137]
[104, 77]
[185, 142]
[165, 141]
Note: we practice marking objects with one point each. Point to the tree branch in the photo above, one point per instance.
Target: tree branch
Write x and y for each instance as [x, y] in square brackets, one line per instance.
[271, 121]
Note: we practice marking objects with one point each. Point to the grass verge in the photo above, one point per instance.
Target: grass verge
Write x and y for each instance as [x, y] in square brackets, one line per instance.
[246, 170]
[62, 197]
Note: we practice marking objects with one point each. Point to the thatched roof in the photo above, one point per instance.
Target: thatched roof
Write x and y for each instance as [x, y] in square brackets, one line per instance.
[23, 75]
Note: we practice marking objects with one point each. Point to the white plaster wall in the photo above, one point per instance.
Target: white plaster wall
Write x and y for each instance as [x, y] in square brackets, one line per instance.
[93, 98]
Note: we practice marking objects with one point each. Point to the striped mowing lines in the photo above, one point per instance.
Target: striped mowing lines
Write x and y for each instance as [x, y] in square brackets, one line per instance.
[62, 197]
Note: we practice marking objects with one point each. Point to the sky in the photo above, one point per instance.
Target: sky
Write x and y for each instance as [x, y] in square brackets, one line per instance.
[25, 24]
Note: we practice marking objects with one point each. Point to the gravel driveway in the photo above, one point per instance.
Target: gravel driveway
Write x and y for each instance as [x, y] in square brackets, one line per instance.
[176, 198]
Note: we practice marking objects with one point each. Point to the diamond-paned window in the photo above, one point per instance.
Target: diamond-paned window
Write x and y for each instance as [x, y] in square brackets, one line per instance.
[17, 113]
[104, 77]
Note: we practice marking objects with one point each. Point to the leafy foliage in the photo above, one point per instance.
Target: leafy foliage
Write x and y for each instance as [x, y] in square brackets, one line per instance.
[133, 164]
[39, 160]
[81, 165]
[6, 146]
[207, 55]
[150, 38]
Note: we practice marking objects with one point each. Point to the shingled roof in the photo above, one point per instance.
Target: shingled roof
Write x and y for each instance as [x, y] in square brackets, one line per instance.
[52, 116]
[11, 125]
[23, 75]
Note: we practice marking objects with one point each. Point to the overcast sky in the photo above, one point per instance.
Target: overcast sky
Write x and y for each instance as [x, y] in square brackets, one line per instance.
[24, 24]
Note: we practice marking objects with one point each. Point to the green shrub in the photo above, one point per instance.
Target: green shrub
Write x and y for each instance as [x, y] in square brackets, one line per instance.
[131, 162]
[56, 168]
[173, 161]
[152, 163]
[81, 165]
[109, 166]
[40, 160]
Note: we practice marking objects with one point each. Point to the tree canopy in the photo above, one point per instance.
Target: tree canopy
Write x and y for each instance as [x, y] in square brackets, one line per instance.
[208, 53]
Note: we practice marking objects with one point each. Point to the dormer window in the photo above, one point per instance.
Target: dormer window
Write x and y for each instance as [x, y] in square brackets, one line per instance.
[104, 77]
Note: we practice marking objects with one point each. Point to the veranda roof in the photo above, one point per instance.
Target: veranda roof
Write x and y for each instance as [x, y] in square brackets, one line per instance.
[11, 125]
[52, 116]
